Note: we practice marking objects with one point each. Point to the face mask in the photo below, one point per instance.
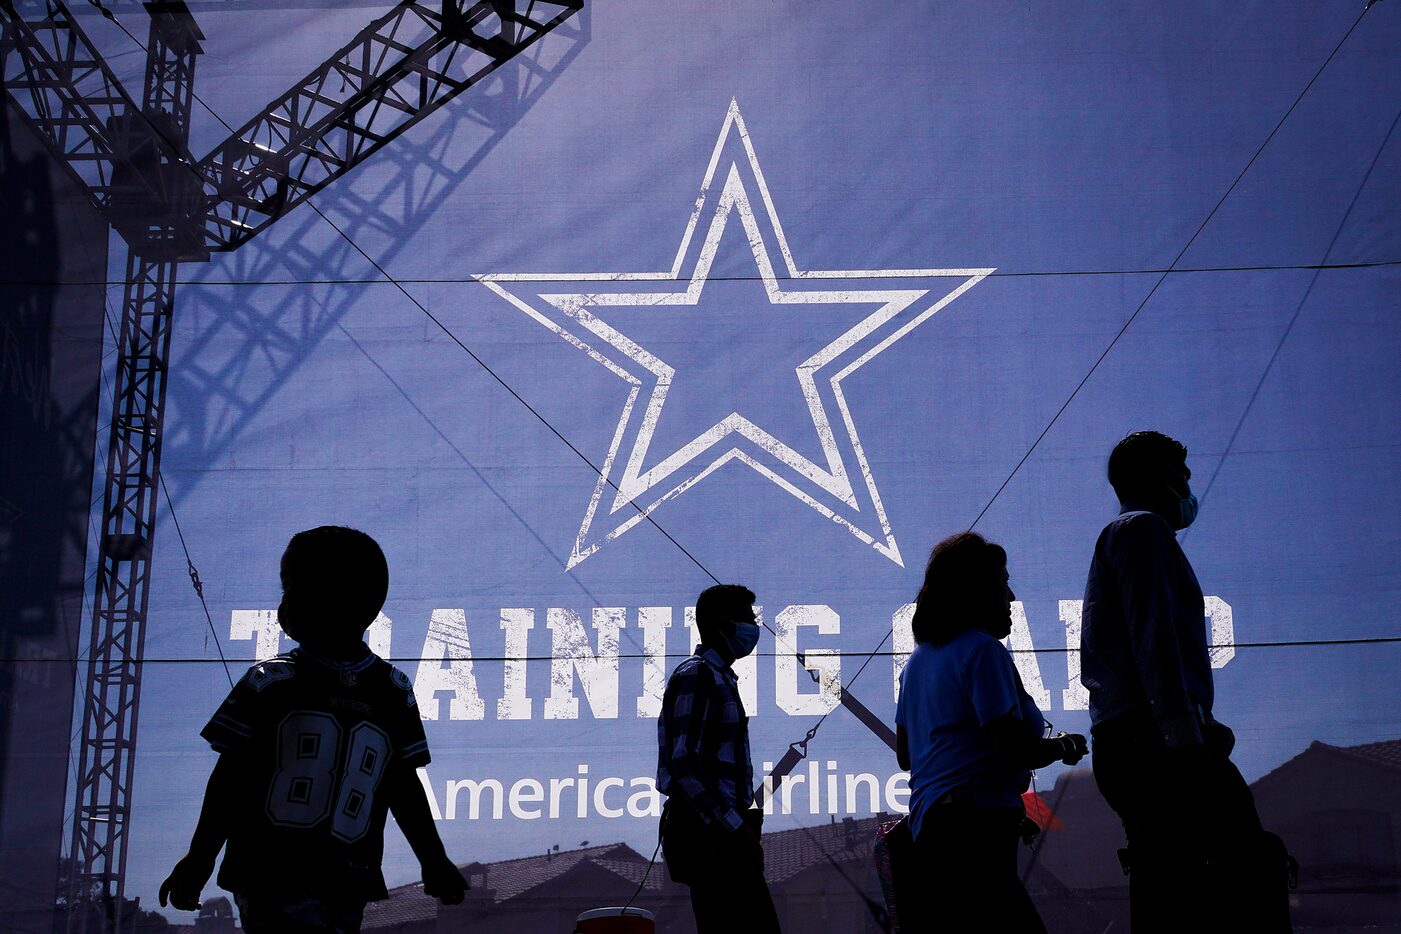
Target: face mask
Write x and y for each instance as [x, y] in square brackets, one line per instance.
[743, 640]
[1187, 511]
[1187, 508]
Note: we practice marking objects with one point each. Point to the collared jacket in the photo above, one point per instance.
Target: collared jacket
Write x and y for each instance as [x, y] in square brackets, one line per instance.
[1144, 644]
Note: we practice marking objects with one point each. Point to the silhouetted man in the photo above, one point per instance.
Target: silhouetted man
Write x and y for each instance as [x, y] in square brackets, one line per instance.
[710, 829]
[1198, 858]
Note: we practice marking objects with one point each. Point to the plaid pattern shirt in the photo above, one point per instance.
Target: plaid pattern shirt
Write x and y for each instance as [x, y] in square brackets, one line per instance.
[703, 741]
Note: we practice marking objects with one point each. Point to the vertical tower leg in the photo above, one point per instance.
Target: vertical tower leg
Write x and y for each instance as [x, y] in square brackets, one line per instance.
[112, 695]
[112, 692]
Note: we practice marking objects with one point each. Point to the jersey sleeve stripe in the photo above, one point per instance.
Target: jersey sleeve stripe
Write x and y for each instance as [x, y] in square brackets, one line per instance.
[232, 725]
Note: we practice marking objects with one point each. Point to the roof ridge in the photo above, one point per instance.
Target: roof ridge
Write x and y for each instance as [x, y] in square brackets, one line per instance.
[1384, 753]
[837, 825]
[1380, 742]
[553, 855]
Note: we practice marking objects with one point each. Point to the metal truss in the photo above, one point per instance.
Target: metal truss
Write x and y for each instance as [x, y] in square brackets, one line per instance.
[58, 82]
[397, 71]
[133, 162]
[248, 344]
[116, 641]
[112, 691]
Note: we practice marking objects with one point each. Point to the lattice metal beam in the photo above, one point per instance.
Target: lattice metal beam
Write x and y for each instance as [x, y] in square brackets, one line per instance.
[397, 71]
[247, 345]
[134, 163]
[116, 639]
[57, 80]
[116, 644]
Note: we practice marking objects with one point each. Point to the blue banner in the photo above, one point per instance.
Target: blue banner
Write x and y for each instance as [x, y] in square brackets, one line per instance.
[781, 294]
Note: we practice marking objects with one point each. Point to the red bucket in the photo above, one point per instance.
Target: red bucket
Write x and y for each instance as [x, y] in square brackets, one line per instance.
[616, 921]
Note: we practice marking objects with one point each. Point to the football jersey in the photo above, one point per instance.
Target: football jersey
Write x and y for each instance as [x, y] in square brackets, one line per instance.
[317, 738]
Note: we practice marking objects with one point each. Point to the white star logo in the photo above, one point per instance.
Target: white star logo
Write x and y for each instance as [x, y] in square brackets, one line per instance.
[827, 487]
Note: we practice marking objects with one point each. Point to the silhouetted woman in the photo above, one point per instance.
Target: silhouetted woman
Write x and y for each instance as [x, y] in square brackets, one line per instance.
[969, 735]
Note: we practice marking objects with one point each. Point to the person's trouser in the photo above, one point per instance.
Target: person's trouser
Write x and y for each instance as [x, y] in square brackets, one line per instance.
[965, 874]
[281, 913]
[725, 872]
[1198, 859]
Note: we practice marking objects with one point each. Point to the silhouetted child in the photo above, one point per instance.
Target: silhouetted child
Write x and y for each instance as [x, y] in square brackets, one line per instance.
[315, 747]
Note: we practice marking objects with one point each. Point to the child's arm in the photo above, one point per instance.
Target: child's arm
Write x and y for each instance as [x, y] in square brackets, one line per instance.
[409, 804]
[190, 874]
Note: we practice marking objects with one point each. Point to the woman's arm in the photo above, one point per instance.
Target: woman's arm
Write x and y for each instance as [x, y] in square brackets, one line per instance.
[1021, 751]
[902, 748]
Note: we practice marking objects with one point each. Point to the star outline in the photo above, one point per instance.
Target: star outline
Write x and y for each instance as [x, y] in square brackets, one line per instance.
[635, 483]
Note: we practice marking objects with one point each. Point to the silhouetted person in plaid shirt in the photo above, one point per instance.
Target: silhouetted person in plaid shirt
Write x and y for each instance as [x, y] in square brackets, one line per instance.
[710, 828]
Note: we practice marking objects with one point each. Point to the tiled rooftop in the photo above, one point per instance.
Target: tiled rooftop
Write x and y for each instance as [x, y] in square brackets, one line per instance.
[510, 878]
[789, 852]
[1387, 753]
[405, 904]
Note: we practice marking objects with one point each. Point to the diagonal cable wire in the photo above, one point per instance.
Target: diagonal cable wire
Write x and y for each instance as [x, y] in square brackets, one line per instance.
[488, 369]
[445, 329]
[1173, 265]
[651, 520]
[485, 367]
[79, 656]
[1289, 328]
[194, 576]
[1141, 305]
[195, 581]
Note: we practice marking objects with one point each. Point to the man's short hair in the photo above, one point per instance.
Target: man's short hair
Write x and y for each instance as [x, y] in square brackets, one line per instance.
[1139, 464]
[340, 571]
[720, 604]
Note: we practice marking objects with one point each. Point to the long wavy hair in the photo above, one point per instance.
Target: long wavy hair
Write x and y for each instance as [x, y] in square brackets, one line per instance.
[961, 583]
